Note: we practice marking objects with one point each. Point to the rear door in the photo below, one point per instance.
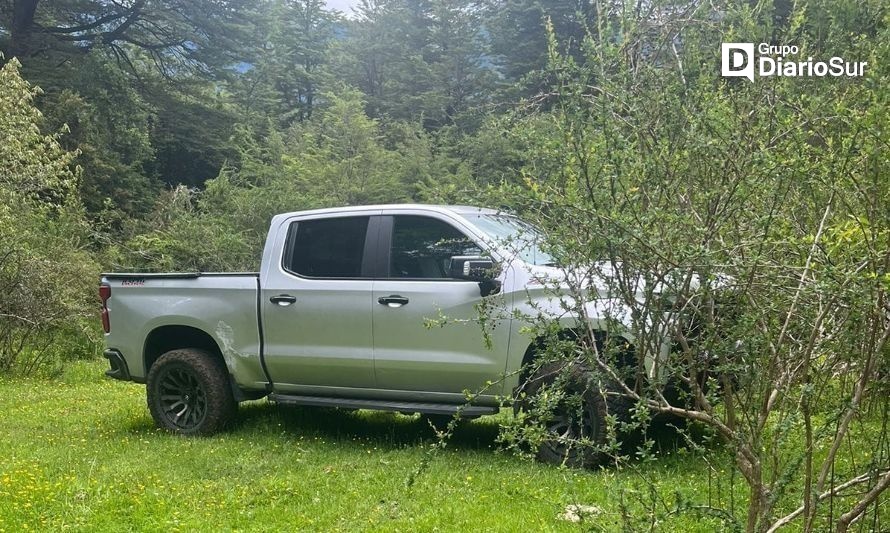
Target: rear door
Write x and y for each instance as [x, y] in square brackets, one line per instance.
[427, 334]
[316, 305]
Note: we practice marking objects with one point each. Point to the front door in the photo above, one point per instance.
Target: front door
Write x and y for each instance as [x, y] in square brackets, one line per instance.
[427, 334]
[316, 307]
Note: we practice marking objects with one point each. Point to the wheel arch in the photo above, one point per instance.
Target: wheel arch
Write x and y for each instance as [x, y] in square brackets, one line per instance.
[162, 339]
[628, 358]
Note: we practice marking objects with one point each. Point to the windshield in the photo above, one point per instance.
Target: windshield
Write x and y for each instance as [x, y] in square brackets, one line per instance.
[517, 236]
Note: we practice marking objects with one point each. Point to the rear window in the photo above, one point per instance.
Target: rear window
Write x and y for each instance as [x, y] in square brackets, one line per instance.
[327, 248]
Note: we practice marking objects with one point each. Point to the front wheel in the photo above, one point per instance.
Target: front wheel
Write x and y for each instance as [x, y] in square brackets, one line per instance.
[576, 425]
[189, 393]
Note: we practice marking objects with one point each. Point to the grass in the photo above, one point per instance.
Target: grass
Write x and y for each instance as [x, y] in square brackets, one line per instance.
[81, 452]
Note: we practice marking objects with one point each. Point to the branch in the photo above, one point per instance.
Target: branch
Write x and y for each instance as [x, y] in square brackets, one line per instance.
[135, 11]
[844, 521]
[852, 409]
[107, 37]
[785, 520]
[84, 27]
[21, 318]
[769, 402]
[158, 46]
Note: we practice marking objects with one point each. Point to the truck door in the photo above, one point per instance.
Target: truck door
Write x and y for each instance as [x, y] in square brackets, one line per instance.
[427, 336]
[316, 305]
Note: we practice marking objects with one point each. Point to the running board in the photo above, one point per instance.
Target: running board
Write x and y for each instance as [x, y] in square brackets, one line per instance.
[468, 411]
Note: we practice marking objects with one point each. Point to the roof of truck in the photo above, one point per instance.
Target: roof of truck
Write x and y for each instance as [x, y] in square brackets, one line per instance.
[456, 209]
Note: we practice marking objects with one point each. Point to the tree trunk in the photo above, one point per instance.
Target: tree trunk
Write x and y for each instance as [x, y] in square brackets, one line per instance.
[22, 28]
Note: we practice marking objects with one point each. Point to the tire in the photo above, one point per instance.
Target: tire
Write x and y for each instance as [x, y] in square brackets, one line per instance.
[189, 393]
[563, 427]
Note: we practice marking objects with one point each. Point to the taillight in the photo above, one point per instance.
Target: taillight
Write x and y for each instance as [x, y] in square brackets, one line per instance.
[104, 295]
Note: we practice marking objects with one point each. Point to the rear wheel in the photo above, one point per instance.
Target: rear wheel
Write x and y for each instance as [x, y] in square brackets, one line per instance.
[576, 425]
[189, 393]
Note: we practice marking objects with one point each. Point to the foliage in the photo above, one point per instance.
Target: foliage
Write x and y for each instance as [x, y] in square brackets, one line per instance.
[519, 40]
[672, 189]
[339, 158]
[290, 70]
[170, 36]
[418, 60]
[46, 277]
[108, 126]
[135, 82]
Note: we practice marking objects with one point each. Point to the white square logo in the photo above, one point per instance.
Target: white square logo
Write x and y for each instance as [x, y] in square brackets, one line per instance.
[737, 60]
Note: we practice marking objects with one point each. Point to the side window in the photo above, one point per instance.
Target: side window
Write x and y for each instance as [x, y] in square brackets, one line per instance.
[327, 248]
[422, 247]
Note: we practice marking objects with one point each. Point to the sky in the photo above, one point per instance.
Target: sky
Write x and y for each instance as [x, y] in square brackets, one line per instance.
[342, 5]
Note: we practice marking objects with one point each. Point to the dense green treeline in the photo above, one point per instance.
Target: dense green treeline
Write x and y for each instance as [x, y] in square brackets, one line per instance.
[278, 102]
[178, 129]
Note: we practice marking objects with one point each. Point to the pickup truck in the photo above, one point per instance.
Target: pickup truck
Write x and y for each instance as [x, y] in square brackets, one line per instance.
[345, 312]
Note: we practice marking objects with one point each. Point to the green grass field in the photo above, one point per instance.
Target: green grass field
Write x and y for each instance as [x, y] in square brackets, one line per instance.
[81, 452]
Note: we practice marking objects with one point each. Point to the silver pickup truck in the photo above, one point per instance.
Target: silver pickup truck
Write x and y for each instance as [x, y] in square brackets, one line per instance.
[358, 307]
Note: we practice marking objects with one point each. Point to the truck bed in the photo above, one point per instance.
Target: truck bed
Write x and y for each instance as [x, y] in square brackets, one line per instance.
[156, 307]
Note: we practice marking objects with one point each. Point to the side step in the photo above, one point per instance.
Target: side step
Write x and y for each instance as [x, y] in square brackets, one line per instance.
[469, 411]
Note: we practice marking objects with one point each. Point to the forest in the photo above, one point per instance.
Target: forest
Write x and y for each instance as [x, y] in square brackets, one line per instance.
[161, 135]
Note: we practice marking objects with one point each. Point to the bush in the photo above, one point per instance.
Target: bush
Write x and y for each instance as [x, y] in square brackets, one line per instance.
[756, 213]
[47, 277]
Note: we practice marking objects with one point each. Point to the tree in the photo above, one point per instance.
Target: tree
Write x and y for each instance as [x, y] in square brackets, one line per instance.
[140, 86]
[289, 71]
[171, 34]
[516, 29]
[747, 222]
[417, 60]
[109, 127]
[46, 276]
[339, 157]
[457, 53]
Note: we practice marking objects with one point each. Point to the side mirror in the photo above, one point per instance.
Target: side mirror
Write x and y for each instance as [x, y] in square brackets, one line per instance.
[476, 268]
[472, 268]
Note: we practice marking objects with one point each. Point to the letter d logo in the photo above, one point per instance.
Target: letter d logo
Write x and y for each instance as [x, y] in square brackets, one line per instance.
[737, 60]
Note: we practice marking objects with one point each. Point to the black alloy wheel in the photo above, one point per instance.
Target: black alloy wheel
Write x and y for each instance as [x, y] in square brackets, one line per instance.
[183, 399]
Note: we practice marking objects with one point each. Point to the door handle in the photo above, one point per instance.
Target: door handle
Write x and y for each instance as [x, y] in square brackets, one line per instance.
[393, 300]
[283, 300]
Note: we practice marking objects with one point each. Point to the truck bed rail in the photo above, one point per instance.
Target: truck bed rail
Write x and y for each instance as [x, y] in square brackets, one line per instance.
[172, 275]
